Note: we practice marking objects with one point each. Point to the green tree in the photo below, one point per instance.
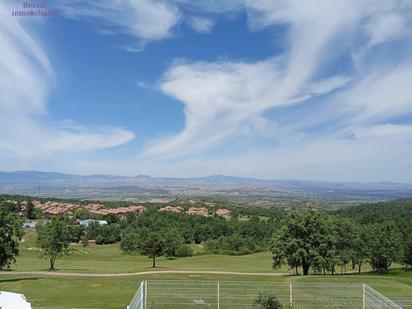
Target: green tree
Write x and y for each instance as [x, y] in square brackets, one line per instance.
[153, 246]
[359, 247]
[130, 243]
[407, 245]
[345, 236]
[82, 214]
[11, 232]
[407, 253]
[54, 239]
[111, 218]
[265, 300]
[172, 241]
[104, 234]
[383, 245]
[234, 242]
[30, 210]
[85, 242]
[304, 239]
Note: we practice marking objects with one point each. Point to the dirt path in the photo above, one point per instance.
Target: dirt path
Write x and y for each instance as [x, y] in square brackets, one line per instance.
[142, 273]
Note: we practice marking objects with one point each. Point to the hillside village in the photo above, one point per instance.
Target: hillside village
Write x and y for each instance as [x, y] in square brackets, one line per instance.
[54, 208]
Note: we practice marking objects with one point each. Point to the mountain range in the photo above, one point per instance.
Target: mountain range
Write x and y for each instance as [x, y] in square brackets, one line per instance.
[18, 180]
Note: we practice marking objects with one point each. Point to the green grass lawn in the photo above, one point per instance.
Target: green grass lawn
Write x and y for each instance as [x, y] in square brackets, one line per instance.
[109, 259]
[115, 293]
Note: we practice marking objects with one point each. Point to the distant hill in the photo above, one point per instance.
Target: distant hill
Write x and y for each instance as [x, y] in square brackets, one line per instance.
[15, 181]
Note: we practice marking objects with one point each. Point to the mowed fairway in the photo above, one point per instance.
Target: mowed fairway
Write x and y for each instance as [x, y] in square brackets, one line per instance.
[109, 259]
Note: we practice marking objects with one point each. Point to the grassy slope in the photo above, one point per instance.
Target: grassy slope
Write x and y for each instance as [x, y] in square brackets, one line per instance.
[116, 292]
[108, 259]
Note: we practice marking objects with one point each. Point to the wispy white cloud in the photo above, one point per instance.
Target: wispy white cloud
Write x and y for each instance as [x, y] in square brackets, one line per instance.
[26, 73]
[388, 131]
[226, 103]
[386, 27]
[251, 118]
[201, 24]
[221, 97]
[380, 95]
[146, 20]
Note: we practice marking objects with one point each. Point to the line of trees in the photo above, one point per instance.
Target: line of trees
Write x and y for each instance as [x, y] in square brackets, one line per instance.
[306, 240]
[219, 235]
[317, 241]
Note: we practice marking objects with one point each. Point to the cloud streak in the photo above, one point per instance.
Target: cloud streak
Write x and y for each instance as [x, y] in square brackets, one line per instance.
[336, 101]
[222, 97]
[201, 24]
[26, 73]
[145, 20]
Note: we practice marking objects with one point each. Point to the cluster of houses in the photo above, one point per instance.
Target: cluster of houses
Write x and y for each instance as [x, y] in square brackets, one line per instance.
[99, 209]
[198, 211]
[53, 208]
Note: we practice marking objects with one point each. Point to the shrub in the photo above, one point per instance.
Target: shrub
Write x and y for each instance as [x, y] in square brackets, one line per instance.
[184, 251]
[104, 234]
[265, 300]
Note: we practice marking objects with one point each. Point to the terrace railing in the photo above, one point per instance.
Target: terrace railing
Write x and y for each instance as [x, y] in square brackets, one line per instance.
[139, 299]
[175, 294]
[372, 299]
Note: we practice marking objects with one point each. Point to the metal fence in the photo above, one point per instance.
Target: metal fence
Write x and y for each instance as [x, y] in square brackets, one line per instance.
[372, 299]
[175, 294]
[139, 299]
[404, 301]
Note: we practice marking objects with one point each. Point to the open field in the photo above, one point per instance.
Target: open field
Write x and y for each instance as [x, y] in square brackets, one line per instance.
[115, 293]
[108, 259]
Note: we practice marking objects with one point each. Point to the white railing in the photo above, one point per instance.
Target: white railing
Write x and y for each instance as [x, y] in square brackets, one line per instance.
[139, 299]
[372, 299]
[183, 294]
[404, 301]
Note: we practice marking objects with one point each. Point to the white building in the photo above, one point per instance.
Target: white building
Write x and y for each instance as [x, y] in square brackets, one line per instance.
[10, 300]
[87, 222]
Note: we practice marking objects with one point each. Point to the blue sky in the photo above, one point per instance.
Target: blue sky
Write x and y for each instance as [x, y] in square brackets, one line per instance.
[268, 89]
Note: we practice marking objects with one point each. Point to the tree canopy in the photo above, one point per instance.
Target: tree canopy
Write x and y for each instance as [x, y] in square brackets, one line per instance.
[312, 239]
[11, 232]
[153, 246]
[54, 239]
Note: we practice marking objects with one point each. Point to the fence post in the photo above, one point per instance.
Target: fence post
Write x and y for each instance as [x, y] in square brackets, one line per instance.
[218, 295]
[141, 288]
[363, 296]
[290, 294]
[145, 295]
